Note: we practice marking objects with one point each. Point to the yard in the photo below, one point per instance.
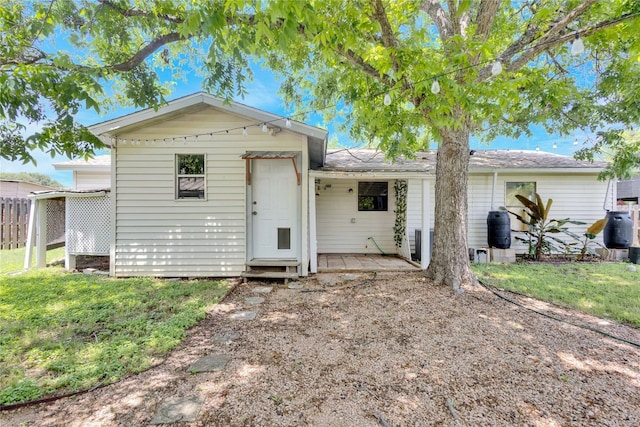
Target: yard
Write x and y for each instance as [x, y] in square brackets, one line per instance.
[607, 290]
[371, 351]
[62, 332]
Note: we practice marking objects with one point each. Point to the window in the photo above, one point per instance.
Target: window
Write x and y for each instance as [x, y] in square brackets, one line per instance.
[526, 189]
[373, 196]
[190, 177]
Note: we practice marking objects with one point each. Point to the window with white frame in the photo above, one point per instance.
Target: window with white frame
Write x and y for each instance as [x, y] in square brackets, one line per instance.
[190, 176]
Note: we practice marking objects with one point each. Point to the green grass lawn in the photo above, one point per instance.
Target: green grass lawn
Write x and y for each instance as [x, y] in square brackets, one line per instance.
[608, 290]
[62, 332]
[13, 260]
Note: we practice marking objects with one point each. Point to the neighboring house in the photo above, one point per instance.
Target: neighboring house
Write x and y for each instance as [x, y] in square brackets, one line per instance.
[202, 187]
[16, 189]
[90, 174]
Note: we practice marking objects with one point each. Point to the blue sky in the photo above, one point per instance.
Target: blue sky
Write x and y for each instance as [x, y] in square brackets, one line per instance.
[262, 93]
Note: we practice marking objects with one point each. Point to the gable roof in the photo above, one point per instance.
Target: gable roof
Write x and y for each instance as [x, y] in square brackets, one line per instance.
[364, 160]
[317, 137]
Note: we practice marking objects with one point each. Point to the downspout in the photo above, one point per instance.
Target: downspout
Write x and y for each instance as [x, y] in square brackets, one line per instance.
[606, 197]
[493, 191]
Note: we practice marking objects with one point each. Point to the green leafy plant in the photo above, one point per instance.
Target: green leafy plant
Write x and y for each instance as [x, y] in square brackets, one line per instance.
[541, 234]
[400, 226]
[589, 236]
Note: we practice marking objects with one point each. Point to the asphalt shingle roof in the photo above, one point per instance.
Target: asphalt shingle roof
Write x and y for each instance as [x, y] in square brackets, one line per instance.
[371, 160]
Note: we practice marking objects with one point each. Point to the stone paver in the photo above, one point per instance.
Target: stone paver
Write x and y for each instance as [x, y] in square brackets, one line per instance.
[178, 409]
[295, 285]
[243, 315]
[327, 280]
[211, 363]
[253, 300]
[226, 337]
[262, 289]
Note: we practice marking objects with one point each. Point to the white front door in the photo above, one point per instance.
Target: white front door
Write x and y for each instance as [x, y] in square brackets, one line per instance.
[274, 209]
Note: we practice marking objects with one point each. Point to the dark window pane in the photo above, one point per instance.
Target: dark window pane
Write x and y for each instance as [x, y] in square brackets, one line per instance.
[284, 238]
[191, 187]
[373, 196]
[190, 164]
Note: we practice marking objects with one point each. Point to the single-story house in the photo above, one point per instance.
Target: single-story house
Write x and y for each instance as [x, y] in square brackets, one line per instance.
[204, 187]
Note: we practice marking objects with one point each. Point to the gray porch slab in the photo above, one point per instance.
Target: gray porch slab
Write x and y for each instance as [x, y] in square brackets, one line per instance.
[262, 289]
[211, 363]
[243, 315]
[178, 409]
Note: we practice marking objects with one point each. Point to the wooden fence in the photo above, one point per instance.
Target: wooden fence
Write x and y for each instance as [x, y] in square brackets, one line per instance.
[14, 222]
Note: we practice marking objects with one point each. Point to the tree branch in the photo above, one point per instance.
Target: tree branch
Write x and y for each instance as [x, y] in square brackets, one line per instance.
[547, 40]
[485, 16]
[550, 38]
[389, 39]
[146, 51]
[356, 60]
[439, 17]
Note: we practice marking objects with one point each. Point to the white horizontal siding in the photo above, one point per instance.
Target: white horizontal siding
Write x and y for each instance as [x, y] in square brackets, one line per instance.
[579, 197]
[336, 207]
[84, 180]
[157, 235]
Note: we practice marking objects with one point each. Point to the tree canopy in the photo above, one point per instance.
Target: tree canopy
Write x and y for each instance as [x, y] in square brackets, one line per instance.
[404, 73]
[58, 58]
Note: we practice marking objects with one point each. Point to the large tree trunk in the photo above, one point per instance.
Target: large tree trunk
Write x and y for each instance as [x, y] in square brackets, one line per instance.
[450, 259]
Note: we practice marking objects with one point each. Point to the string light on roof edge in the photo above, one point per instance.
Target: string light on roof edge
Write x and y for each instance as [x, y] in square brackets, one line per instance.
[288, 123]
[577, 47]
[265, 129]
[244, 131]
[435, 87]
[555, 146]
[575, 142]
[387, 99]
[537, 148]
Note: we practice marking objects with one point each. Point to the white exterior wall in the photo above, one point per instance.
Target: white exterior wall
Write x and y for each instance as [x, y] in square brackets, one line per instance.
[579, 197]
[158, 235]
[86, 180]
[336, 207]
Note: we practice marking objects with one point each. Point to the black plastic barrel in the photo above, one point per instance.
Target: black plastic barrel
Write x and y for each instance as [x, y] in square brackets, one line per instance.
[499, 230]
[634, 254]
[618, 233]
